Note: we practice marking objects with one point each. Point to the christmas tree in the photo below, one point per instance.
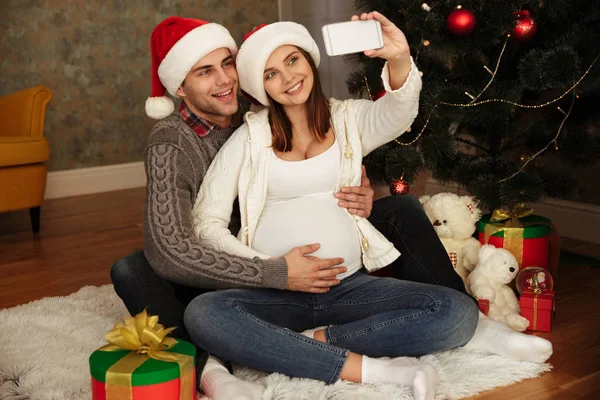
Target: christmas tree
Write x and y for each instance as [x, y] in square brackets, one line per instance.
[509, 95]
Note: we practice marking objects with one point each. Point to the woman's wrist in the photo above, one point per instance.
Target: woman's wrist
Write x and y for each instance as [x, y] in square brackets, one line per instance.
[398, 69]
[400, 57]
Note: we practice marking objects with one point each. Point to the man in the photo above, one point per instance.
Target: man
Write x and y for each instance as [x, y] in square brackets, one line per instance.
[194, 60]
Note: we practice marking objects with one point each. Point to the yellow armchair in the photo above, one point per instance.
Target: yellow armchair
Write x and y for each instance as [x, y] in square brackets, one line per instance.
[23, 151]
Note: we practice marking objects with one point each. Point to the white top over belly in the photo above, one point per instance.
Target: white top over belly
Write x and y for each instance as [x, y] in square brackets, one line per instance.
[301, 209]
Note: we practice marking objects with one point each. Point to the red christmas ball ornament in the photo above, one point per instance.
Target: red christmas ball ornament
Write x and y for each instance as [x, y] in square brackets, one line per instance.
[379, 95]
[461, 22]
[399, 186]
[525, 26]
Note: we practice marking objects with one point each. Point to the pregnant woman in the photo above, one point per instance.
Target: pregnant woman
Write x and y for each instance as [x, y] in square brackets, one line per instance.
[287, 160]
[285, 164]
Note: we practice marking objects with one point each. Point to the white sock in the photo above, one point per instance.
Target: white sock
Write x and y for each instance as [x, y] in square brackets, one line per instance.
[422, 377]
[496, 338]
[216, 382]
[311, 332]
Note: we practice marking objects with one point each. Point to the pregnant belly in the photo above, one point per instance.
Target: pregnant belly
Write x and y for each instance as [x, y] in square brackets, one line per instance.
[286, 224]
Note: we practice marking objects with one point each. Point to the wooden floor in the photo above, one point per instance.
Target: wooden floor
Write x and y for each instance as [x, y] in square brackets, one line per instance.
[82, 236]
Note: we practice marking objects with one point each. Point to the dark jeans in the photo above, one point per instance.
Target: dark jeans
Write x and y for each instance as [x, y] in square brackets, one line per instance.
[370, 315]
[424, 259]
[139, 287]
[400, 218]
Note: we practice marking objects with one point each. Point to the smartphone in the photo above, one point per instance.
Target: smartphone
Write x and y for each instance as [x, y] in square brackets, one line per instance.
[352, 37]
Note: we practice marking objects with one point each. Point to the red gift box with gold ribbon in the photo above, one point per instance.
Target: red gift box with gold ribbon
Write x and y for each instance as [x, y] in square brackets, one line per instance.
[538, 307]
[484, 306]
[141, 363]
[525, 235]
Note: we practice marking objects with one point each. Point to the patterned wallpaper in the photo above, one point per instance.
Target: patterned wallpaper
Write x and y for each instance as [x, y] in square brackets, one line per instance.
[95, 57]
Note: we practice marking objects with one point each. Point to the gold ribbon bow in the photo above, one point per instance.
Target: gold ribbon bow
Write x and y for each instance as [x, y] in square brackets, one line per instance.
[145, 338]
[513, 229]
[520, 210]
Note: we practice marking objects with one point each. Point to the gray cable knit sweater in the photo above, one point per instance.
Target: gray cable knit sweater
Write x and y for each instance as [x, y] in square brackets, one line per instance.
[176, 161]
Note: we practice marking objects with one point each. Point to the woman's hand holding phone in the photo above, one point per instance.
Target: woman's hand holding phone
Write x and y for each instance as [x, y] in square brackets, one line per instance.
[395, 49]
[395, 45]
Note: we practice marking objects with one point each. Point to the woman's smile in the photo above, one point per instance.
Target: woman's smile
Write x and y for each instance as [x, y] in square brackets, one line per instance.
[297, 88]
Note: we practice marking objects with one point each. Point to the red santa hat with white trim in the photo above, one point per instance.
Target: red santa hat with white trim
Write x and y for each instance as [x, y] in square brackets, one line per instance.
[176, 45]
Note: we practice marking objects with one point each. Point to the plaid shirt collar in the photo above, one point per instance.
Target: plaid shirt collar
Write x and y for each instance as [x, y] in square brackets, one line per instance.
[203, 127]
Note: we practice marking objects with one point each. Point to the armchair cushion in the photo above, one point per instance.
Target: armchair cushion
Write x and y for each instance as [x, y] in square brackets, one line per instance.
[21, 150]
[22, 113]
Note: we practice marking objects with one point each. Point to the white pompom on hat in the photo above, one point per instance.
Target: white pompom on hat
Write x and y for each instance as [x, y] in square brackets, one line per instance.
[257, 48]
[176, 45]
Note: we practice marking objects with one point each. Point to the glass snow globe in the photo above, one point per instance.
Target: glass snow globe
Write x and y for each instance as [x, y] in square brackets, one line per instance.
[537, 279]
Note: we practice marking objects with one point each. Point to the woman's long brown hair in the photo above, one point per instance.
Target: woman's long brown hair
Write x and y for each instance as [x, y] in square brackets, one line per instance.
[317, 109]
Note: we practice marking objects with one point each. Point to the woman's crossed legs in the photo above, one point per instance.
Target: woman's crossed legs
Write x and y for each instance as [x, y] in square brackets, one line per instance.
[365, 315]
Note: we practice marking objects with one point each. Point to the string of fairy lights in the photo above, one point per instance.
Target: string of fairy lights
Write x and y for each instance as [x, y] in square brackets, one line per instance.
[474, 99]
[474, 103]
[527, 160]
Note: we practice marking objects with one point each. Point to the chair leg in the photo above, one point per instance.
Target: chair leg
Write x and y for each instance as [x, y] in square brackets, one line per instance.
[34, 214]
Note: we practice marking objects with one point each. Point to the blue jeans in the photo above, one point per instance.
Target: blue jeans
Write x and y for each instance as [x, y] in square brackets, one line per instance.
[364, 314]
[400, 218]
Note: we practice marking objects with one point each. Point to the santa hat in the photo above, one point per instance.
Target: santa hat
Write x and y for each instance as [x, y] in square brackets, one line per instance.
[176, 45]
[257, 48]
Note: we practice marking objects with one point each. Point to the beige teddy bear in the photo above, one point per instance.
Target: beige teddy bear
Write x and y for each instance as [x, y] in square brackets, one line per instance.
[489, 280]
[454, 218]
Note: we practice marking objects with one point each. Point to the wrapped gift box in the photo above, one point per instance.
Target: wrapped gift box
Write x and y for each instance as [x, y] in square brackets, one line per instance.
[538, 309]
[151, 380]
[484, 306]
[526, 238]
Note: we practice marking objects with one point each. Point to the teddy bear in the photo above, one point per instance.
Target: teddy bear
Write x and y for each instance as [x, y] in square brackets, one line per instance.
[489, 280]
[454, 218]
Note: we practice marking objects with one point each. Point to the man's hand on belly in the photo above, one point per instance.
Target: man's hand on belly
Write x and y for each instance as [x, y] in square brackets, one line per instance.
[311, 274]
[357, 199]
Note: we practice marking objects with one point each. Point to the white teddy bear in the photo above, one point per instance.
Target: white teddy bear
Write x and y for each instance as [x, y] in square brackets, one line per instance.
[494, 271]
[454, 218]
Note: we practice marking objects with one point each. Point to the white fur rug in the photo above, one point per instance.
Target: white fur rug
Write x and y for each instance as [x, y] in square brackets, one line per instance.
[45, 345]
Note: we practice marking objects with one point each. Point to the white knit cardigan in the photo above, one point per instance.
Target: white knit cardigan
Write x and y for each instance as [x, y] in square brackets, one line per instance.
[241, 168]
